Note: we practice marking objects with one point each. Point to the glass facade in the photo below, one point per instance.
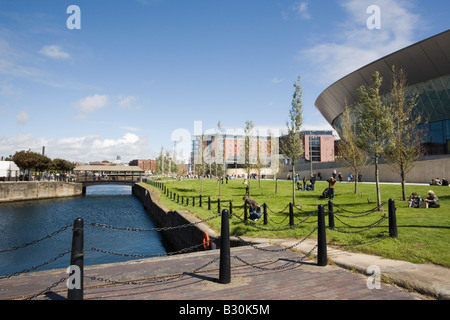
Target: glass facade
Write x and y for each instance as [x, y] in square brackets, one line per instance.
[433, 106]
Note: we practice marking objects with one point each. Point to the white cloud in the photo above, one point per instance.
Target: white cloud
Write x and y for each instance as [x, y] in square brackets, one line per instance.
[126, 102]
[83, 149]
[54, 52]
[92, 103]
[354, 45]
[22, 118]
[277, 80]
[301, 8]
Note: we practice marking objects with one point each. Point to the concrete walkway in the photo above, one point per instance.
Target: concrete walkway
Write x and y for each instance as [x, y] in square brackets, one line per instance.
[270, 270]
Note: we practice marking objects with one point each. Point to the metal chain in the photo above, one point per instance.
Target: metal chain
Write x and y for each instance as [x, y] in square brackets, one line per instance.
[47, 289]
[367, 211]
[358, 244]
[37, 266]
[187, 249]
[276, 250]
[155, 281]
[373, 225]
[37, 240]
[95, 224]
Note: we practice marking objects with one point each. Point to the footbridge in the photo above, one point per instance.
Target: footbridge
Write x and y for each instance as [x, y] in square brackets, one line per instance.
[91, 175]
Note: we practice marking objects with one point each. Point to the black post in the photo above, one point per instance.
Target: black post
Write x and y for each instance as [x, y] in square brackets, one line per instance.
[225, 264]
[231, 208]
[200, 201]
[209, 203]
[245, 211]
[321, 238]
[75, 291]
[392, 219]
[330, 214]
[265, 212]
[193, 201]
[291, 214]
[218, 205]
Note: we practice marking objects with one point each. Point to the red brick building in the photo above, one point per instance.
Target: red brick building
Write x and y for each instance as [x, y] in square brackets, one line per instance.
[146, 165]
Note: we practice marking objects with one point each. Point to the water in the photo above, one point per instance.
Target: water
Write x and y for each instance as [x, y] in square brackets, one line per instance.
[110, 205]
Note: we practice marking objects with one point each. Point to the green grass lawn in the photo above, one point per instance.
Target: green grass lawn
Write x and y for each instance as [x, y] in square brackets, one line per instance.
[423, 234]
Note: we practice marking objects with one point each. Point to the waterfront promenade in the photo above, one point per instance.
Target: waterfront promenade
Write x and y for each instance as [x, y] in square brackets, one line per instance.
[258, 272]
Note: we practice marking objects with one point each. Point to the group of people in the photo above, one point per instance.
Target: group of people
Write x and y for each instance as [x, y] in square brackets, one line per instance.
[432, 201]
[306, 186]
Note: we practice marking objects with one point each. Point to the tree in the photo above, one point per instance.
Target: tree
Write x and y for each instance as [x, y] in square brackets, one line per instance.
[292, 146]
[405, 144]
[61, 165]
[248, 161]
[374, 124]
[27, 160]
[349, 155]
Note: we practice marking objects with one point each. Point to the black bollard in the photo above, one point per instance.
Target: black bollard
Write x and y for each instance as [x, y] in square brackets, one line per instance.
[231, 208]
[291, 214]
[225, 264]
[218, 205]
[392, 219]
[75, 291]
[265, 212]
[245, 212]
[193, 201]
[200, 201]
[321, 238]
[330, 215]
[209, 203]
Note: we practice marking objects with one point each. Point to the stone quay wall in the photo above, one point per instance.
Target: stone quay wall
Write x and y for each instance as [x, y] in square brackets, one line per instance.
[34, 190]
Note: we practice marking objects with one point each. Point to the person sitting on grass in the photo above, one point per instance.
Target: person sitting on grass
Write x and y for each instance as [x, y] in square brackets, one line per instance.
[255, 208]
[414, 200]
[432, 200]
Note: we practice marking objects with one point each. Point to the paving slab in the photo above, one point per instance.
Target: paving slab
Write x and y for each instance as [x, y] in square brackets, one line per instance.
[260, 272]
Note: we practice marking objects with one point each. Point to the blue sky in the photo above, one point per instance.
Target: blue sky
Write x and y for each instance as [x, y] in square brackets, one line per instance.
[139, 70]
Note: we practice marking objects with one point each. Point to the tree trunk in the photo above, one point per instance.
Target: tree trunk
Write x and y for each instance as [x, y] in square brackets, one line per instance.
[276, 185]
[403, 185]
[293, 184]
[377, 183]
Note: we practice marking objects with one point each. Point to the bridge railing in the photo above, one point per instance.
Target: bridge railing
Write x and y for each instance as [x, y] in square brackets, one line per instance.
[107, 178]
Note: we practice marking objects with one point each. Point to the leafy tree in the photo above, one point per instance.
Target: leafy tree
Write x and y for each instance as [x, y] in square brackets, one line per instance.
[374, 124]
[248, 161]
[405, 144]
[292, 146]
[28, 160]
[349, 154]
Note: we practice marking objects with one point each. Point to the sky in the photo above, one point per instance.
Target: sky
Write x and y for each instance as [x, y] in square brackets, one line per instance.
[131, 77]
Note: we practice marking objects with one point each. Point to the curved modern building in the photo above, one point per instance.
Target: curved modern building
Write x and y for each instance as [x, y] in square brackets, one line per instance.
[427, 66]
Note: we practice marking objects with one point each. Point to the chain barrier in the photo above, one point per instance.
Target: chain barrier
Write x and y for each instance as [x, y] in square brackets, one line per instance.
[158, 280]
[184, 250]
[37, 240]
[291, 264]
[364, 213]
[225, 204]
[153, 229]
